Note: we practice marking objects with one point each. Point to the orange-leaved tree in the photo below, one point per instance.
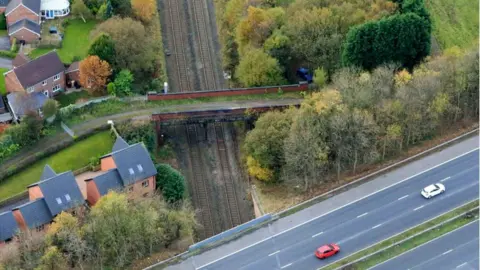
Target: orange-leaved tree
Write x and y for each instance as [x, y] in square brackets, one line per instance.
[144, 9]
[94, 73]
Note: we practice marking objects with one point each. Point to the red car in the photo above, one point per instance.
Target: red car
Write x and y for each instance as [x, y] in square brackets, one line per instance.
[326, 251]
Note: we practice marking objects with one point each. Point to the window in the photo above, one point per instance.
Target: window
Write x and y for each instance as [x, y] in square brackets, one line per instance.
[30, 89]
[45, 93]
[145, 183]
[40, 228]
[130, 170]
[140, 168]
[44, 83]
[56, 77]
[56, 88]
[59, 201]
[67, 197]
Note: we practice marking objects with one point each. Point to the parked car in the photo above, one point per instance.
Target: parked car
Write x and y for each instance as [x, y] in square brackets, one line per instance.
[433, 190]
[326, 251]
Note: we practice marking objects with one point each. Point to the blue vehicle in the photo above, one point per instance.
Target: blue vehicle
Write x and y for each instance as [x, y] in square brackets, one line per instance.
[305, 74]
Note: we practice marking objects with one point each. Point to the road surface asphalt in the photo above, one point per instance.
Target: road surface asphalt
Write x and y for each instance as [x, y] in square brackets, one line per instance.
[363, 223]
[455, 250]
[322, 219]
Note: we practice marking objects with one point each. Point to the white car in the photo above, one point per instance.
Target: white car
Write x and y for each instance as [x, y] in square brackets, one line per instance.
[433, 190]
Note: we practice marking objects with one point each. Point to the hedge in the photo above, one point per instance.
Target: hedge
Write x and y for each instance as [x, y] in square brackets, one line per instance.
[8, 54]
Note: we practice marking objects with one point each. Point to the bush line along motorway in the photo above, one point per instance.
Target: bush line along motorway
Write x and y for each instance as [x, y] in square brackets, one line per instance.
[361, 223]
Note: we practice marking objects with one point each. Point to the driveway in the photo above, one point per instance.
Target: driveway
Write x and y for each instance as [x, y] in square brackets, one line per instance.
[5, 63]
[4, 43]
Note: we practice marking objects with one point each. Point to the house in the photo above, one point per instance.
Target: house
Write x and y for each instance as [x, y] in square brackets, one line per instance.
[73, 74]
[20, 59]
[136, 175]
[8, 227]
[33, 215]
[24, 16]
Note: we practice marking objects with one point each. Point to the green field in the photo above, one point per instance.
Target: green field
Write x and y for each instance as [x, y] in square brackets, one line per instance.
[72, 158]
[3, 91]
[75, 43]
[455, 22]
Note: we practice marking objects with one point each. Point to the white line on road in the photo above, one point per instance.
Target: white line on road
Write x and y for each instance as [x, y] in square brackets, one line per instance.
[448, 251]
[364, 214]
[285, 266]
[376, 226]
[271, 254]
[336, 209]
[401, 198]
[420, 207]
[461, 265]
[445, 179]
[315, 235]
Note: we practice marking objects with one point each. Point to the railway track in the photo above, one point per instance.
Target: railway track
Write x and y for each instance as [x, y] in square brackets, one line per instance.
[178, 30]
[234, 211]
[208, 80]
[198, 179]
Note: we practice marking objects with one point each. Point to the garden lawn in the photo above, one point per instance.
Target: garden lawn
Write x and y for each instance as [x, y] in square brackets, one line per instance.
[3, 91]
[75, 43]
[72, 158]
[455, 23]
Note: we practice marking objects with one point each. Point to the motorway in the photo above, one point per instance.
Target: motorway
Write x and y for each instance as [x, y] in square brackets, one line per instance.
[455, 250]
[360, 224]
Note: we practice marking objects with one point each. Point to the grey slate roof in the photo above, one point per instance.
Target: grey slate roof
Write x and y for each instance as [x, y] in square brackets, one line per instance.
[8, 226]
[33, 5]
[48, 172]
[20, 59]
[40, 69]
[134, 163]
[38, 99]
[35, 213]
[25, 23]
[110, 180]
[3, 3]
[61, 192]
[119, 144]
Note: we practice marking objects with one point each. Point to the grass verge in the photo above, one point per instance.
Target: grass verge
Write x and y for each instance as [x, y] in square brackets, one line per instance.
[455, 23]
[409, 244]
[75, 43]
[3, 90]
[71, 158]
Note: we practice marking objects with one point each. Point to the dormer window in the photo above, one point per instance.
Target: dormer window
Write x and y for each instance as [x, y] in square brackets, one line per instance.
[44, 83]
[140, 168]
[130, 170]
[67, 197]
[56, 77]
[59, 201]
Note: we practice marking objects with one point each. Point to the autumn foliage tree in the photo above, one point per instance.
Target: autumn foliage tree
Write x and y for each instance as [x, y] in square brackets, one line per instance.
[94, 74]
[144, 9]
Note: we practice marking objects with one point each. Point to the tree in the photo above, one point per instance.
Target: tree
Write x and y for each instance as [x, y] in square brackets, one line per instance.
[94, 73]
[320, 77]
[144, 9]
[3, 21]
[123, 83]
[259, 69]
[122, 8]
[134, 49]
[278, 45]
[103, 47]
[80, 9]
[101, 12]
[137, 131]
[264, 144]
[170, 182]
[52, 260]
[50, 107]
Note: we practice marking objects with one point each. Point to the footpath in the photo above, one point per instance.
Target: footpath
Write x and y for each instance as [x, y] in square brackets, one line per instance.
[89, 126]
[286, 223]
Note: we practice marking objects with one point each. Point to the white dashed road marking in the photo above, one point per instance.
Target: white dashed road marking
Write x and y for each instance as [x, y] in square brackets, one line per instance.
[364, 214]
[285, 266]
[271, 254]
[401, 198]
[315, 235]
[420, 207]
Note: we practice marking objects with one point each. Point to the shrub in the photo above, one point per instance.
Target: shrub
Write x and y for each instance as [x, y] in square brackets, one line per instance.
[123, 83]
[111, 89]
[170, 182]
[3, 21]
[50, 108]
[8, 54]
[134, 133]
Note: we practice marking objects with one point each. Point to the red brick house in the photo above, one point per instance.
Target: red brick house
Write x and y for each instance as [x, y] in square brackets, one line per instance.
[127, 167]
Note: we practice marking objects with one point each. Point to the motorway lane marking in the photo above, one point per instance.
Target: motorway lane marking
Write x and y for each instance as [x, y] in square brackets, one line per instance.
[338, 208]
[271, 254]
[315, 235]
[443, 180]
[420, 207]
[376, 226]
[461, 265]
[285, 266]
[448, 251]
[401, 198]
[364, 214]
